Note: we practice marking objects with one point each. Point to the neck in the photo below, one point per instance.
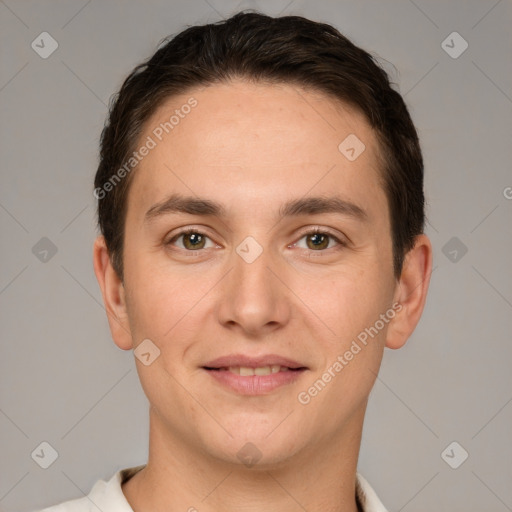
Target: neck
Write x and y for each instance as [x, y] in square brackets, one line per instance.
[180, 478]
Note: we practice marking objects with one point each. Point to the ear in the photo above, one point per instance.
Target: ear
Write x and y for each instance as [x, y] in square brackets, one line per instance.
[411, 292]
[113, 293]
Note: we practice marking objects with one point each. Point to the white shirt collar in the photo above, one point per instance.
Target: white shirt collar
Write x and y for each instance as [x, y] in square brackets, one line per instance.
[109, 497]
[369, 500]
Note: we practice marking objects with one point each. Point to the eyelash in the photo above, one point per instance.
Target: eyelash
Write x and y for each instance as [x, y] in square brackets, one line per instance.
[314, 231]
[321, 231]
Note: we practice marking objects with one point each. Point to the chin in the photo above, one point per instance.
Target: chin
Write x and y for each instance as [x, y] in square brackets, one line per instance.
[254, 448]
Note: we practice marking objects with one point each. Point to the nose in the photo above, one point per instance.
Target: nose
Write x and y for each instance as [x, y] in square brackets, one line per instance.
[254, 299]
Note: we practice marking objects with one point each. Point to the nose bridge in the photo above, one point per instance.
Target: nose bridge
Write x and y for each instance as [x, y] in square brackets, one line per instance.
[255, 299]
[251, 264]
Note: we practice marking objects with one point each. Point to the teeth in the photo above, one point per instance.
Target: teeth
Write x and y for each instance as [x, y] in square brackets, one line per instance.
[264, 370]
[245, 371]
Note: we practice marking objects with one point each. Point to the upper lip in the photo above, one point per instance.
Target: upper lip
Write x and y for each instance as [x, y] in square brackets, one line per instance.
[252, 362]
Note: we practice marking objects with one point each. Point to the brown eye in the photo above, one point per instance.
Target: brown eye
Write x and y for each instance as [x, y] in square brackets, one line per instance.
[191, 240]
[317, 241]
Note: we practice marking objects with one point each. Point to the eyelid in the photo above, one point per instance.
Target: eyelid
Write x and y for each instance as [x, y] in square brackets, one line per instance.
[185, 231]
[340, 238]
[311, 230]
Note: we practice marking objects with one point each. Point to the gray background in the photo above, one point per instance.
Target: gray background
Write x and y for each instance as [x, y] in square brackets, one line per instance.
[64, 381]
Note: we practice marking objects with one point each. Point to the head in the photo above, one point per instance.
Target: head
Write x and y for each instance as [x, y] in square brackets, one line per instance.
[290, 50]
[235, 130]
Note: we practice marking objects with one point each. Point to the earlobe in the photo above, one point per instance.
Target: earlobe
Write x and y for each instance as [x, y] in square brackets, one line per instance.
[411, 292]
[113, 292]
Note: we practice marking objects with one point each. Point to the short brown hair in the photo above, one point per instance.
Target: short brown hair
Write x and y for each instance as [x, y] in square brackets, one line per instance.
[288, 49]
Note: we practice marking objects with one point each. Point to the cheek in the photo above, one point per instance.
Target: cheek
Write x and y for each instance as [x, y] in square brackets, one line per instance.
[350, 301]
[352, 357]
[163, 304]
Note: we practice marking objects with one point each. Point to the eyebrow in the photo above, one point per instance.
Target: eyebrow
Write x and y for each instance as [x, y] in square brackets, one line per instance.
[177, 203]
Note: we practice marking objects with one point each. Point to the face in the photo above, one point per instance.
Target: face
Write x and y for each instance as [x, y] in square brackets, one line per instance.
[286, 259]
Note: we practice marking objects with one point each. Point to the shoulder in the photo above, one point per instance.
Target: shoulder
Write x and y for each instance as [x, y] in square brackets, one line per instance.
[106, 496]
[77, 505]
[367, 496]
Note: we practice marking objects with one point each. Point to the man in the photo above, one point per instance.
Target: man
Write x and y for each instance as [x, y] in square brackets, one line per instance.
[260, 198]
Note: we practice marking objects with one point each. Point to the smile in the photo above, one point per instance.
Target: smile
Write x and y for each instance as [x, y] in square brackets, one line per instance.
[261, 380]
[261, 370]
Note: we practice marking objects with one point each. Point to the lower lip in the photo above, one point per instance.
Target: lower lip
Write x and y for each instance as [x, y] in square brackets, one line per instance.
[255, 384]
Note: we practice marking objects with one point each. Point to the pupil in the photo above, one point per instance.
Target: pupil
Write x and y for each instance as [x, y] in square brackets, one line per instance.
[318, 240]
[194, 239]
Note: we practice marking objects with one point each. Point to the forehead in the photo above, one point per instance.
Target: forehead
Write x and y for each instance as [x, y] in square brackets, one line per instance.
[246, 143]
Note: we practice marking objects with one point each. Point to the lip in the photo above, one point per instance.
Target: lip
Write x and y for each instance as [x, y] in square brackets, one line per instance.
[253, 362]
[254, 384]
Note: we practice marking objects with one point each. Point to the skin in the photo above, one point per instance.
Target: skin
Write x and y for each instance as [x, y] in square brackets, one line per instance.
[252, 147]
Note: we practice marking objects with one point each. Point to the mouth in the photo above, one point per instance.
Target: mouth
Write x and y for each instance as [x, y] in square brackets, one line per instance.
[254, 376]
[247, 371]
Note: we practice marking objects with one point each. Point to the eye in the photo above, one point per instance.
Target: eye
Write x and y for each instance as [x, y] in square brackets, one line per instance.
[318, 240]
[193, 240]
